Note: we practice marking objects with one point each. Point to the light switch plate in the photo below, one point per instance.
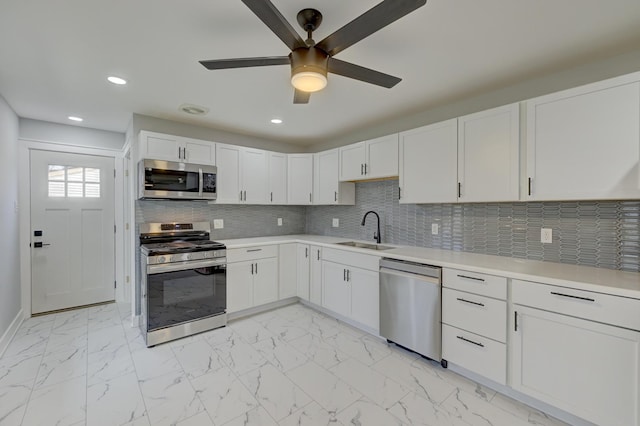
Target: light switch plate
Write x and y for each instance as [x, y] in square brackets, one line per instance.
[434, 229]
[546, 235]
[218, 223]
[336, 222]
[279, 221]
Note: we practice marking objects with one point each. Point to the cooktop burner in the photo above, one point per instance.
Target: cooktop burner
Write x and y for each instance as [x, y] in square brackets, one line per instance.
[180, 247]
[170, 238]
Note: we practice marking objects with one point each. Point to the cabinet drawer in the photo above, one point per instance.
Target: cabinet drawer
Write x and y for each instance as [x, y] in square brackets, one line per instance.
[349, 258]
[251, 253]
[476, 353]
[481, 315]
[474, 282]
[605, 308]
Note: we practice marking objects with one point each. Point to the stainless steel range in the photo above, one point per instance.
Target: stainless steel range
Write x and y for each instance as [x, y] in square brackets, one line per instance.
[184, 283]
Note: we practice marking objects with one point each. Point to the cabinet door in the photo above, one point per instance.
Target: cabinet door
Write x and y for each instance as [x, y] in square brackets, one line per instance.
[315, 275]
[265, 281]
[382, 157]
[352, 159]
[302, 277]
[254, 176]
[336, 294]
[583, 143]
[199, 152]
[239, 286]
[288, 270]
[365, 297]
[160, 147]
[589, 369]
[326, 171]
[277, 178]
[299, 179]
[428, 164]
[488, 155]
[228, 177]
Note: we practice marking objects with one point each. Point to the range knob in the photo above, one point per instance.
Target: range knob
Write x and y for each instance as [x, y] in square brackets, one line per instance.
[161, 259]
[188, 256]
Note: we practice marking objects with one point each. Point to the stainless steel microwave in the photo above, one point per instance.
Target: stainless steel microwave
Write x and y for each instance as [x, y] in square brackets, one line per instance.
[176, 181]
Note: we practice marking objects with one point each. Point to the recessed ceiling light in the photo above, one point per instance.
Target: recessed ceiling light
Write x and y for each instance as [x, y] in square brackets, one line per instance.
[74, 118]
[276, 121]
[193, 109]
[117, 80]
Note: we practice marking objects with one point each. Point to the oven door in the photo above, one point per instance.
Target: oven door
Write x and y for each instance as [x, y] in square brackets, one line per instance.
[178, 293]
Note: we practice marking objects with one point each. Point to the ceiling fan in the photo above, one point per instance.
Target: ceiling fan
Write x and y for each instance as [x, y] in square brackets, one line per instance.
[310, 61]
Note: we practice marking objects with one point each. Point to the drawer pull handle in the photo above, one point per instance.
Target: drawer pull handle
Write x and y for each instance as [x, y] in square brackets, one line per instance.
[588, 299]
[471, 278]
[471, 302]
[470, 341]
[248, 251]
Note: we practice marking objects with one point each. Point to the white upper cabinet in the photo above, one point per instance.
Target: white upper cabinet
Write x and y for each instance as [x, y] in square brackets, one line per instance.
[584, 143]
[159, 146]
[372, 159]
[327, 189]
[299, 179]
[277, 182]
[488, 155]
[242, 175]
[428, 164]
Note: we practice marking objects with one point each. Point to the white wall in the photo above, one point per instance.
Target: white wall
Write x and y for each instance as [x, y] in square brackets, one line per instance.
[9, 253]
[45, 131]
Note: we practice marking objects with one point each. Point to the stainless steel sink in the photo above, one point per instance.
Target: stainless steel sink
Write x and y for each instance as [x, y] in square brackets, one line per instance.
[365, 245]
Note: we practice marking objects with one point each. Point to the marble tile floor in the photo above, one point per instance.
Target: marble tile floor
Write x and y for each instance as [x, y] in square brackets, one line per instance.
[290, 366]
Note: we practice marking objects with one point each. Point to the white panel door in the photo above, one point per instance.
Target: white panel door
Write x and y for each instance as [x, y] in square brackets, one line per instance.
[265, 281]
[300, 179]
[72, 208]
[336, 294]
[315, 275]
[228, 177]
[382, 157]
[583, 143]
[365, 297]
[199, 152]
[302, 276]
[277, 178]
[239, 286]
[254, 176]
[488, 155]
[428, 164]
[352, 159]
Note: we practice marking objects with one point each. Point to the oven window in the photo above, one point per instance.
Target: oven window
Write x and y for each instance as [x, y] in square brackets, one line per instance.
[171, 180]
[182, 296]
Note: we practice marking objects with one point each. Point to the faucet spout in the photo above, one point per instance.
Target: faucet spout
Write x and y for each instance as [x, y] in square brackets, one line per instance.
[376, 236]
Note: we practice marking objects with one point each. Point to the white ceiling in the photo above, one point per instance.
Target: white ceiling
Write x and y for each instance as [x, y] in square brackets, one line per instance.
[55, 57]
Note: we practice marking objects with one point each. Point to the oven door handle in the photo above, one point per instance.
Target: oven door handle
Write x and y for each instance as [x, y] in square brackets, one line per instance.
[185, 266]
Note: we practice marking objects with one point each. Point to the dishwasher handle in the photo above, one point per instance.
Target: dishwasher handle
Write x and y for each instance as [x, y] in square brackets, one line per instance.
[396, 273]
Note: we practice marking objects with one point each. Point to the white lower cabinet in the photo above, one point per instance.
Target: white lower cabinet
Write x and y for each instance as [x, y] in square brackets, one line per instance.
[586, 368]
[302, 268]
[336, 294]
[315, 275]
[239, 286]
[287, 258]
[252, 277]
[365, 297]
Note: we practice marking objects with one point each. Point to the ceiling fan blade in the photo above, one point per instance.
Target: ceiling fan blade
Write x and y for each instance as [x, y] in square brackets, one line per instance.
[347, 69]
[267, 12]
[219, 64]
[368, 23]
[300, 97]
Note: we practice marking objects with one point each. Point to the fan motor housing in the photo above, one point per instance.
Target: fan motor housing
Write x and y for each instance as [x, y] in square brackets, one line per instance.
[309, 59]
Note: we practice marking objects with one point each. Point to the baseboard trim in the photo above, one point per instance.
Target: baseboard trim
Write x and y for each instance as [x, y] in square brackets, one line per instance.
[8, 335]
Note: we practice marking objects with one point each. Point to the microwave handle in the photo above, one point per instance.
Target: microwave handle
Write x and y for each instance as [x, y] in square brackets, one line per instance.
[200, 182]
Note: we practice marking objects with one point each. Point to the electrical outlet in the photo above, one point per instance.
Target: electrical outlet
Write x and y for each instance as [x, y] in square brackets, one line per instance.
[546, 235]
[279, 221]
[434, 229]
[336, 222]
[218, 223]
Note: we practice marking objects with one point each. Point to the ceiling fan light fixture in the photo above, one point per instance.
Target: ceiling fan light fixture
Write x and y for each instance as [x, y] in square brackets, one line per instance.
[309, 81]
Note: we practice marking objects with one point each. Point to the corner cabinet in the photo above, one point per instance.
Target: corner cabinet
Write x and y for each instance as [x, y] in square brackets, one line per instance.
[583, 143]
[300, 179]
[158, 146]
[489, 155]
[372, 159]
[326, 187]
[429, 164]
[577, 350]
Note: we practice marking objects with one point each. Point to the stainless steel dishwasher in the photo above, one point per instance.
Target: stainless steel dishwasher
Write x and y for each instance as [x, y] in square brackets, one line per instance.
[410, 306]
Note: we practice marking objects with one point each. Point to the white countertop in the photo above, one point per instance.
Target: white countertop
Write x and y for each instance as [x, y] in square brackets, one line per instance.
[626, 284]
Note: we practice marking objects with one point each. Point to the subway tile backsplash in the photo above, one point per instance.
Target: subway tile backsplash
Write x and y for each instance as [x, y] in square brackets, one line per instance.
[595, 233]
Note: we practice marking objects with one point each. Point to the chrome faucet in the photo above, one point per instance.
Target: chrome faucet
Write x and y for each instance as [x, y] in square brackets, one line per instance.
[376, 235]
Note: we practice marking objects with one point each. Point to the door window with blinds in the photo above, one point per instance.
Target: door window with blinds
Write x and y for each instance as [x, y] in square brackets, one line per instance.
[73, 181]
